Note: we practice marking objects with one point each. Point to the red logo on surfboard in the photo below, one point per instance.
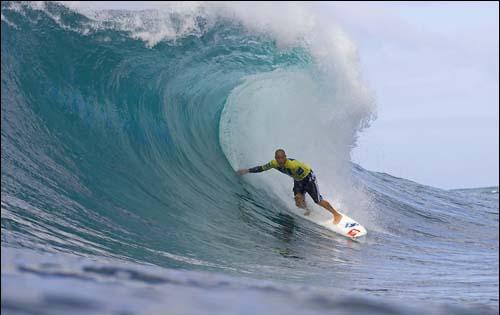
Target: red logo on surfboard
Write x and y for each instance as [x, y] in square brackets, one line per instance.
[353, 232]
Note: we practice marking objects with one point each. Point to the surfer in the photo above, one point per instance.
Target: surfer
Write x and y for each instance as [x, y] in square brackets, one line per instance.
[304, 180]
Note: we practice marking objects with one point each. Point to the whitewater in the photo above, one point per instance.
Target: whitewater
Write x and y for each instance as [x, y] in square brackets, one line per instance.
[121, 132]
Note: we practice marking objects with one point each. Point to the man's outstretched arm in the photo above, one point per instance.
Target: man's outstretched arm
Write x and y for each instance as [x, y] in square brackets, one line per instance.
[257, 169]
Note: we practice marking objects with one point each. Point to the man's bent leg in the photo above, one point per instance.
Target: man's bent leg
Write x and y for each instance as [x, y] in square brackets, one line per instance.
[300, 201]
[298, 191]
[336, 216]
[313, 190]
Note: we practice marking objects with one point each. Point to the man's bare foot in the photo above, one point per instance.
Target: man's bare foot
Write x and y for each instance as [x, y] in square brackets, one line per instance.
[337, 218]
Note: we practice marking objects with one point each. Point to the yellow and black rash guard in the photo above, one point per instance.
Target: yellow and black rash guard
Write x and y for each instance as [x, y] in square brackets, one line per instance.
[292, 167]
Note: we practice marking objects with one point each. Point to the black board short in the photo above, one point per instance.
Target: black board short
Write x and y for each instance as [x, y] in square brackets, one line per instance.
[309, 185]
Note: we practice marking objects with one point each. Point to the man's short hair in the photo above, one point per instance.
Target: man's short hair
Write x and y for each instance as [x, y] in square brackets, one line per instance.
[279, 151]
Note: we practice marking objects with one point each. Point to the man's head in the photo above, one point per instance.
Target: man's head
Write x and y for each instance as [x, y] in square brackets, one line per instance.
[280, 157]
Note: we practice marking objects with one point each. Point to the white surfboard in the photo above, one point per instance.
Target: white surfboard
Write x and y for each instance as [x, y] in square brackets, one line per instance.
[347, 227]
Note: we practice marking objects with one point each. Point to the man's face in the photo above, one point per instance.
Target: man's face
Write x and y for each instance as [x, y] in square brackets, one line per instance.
[280, 158]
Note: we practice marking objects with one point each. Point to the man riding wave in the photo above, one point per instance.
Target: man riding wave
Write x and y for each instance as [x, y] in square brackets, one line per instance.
[304, 180]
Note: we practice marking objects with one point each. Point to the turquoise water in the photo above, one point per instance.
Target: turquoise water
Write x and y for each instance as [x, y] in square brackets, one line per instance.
[118, 154]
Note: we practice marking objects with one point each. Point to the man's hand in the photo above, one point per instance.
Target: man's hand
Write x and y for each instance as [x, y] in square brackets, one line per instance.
[242, 171]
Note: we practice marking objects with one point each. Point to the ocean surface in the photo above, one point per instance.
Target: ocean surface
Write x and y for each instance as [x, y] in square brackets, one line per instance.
[120, 135]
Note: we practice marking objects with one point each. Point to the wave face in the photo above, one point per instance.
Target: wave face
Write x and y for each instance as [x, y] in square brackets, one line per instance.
[121, 132]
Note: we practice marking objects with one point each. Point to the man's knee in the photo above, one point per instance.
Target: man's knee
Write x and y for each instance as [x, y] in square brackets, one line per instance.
[299, 200]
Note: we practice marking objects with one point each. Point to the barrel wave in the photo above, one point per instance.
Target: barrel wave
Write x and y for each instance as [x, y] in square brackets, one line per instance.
[121, 133]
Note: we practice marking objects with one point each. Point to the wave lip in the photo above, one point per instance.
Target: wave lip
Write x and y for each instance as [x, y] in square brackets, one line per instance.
[123, 136]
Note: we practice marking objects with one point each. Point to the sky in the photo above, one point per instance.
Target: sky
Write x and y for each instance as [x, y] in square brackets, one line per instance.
[433, 68]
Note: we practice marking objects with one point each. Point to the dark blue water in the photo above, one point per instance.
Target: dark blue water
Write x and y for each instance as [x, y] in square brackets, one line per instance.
[119, 194]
